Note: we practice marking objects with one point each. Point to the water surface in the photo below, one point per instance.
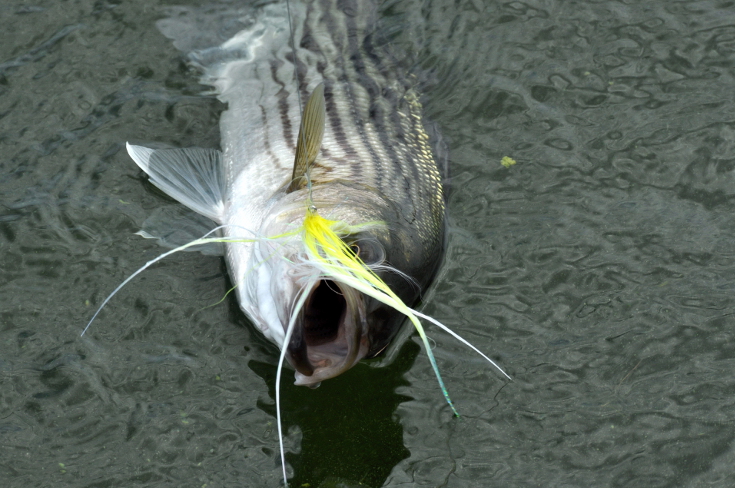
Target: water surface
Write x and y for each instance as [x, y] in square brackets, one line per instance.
[598, 270]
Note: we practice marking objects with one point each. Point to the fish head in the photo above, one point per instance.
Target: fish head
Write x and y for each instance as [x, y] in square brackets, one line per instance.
[336, 325]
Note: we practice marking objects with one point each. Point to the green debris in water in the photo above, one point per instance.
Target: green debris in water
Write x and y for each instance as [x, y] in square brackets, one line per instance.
[507, 161]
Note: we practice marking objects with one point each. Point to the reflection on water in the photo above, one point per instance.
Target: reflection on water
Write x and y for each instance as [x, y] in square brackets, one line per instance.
[598, 270]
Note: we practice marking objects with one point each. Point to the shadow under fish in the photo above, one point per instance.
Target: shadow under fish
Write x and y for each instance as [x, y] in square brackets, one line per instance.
[330, 213]
[356, 433]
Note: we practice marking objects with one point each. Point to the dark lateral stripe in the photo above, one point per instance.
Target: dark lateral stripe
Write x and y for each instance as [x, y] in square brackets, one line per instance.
[392, 117]
[366, 65]
[353, 38]
[266, 141]
[374, 132]
[283, 106]
[345, 130]
[341, 138]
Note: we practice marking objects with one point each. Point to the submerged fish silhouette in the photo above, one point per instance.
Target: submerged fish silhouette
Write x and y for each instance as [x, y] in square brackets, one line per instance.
[333, 227]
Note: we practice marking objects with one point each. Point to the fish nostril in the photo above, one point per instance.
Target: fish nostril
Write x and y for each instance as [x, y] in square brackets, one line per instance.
[323, 314]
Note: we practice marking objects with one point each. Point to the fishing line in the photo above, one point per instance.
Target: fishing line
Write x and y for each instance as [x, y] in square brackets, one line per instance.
[284, 347]
[140, 270]
[227, 293]
[196, 242]
[460, 339]
[307, 172]
[295, 63]
[298, 97]
[237, 284]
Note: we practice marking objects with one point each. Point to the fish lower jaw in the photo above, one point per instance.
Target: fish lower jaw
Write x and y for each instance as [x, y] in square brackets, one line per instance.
[324, 369]
[329, 360]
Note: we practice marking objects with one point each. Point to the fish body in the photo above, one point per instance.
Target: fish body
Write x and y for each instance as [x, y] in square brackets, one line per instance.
[374, 177]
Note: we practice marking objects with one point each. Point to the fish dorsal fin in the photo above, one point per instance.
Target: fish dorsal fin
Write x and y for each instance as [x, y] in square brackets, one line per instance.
[310, 137]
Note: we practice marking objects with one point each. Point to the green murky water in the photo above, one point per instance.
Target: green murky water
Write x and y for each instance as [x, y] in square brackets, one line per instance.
[599, 270]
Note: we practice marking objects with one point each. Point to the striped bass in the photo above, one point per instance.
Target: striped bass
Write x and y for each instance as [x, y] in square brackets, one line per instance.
[375, 164]
[331, 215]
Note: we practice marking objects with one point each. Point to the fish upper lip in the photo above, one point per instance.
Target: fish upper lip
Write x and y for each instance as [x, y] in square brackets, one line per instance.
[330, 333]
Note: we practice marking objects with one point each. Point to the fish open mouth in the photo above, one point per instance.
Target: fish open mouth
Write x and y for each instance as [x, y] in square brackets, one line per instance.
[330, 333]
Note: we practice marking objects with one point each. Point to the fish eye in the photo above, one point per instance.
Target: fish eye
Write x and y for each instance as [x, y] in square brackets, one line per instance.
[368, 250]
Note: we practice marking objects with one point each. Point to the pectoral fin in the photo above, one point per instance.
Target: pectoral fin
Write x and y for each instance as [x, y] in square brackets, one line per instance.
[192, 176]
[310, 137]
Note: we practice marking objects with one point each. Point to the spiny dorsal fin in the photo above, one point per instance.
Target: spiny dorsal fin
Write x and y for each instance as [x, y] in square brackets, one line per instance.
[310, 137]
